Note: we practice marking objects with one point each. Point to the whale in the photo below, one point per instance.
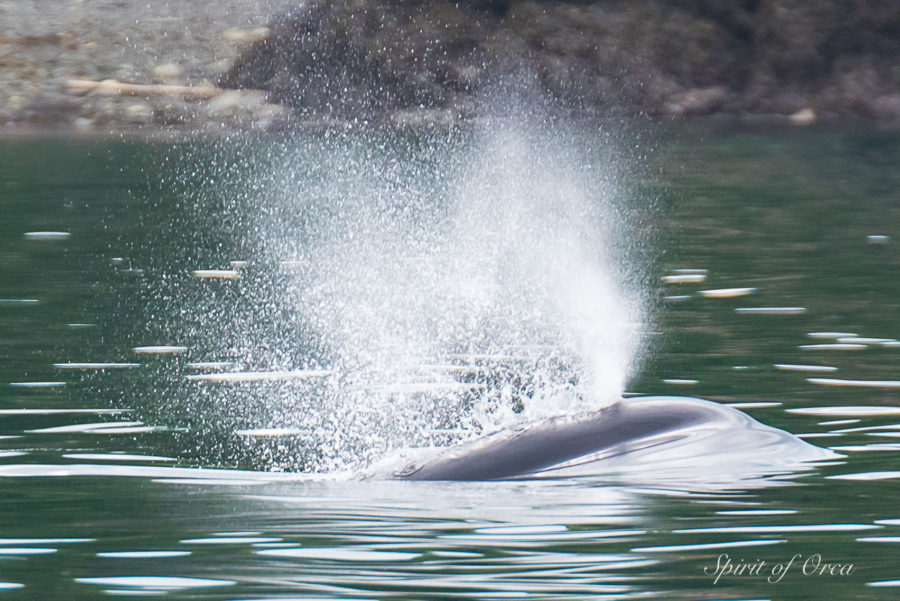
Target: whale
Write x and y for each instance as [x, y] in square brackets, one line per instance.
[653, 436]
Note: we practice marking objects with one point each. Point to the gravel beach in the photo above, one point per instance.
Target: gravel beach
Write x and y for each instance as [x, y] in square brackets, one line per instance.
[46, 43]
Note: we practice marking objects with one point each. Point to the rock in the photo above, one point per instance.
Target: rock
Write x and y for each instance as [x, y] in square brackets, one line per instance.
[803, 117]
[219, 67]
[886, 107]
[782, 103]
[16, 102]
[246, 108]
[234, 102]
[856, 88]
[269, 112]
[51, 107]
[793, 38]
[352, 59]
[700, 101]
[166, 73]
[236, 36]
[173, 112]
[425, 63]
[83, 124]
[139, 112]
[107, 87]
[101, 109]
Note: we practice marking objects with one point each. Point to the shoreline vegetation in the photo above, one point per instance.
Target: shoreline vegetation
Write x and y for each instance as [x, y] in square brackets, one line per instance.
[101, 67]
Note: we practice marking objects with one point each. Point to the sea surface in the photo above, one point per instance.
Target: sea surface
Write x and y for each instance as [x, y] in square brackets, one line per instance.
[131, 465]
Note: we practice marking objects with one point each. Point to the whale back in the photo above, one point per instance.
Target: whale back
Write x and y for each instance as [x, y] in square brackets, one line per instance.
[639, 434]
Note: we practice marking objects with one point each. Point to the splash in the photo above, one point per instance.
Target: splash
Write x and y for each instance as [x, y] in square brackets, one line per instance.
[494, 294]
[392, 291]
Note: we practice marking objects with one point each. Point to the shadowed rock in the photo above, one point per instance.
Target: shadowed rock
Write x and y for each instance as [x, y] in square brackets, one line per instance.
[677, 57]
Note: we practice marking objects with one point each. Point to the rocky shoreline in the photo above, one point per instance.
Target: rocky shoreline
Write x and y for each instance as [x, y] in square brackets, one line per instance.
[274, 65]
[45, 44]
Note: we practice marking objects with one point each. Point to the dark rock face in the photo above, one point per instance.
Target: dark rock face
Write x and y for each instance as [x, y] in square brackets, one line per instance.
[364, 59]
[348, 60]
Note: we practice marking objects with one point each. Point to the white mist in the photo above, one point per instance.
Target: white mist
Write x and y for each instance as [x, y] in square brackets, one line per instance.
[498, 295]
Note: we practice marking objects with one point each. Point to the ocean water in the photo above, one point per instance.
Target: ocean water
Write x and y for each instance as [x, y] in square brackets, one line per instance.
[204, 346]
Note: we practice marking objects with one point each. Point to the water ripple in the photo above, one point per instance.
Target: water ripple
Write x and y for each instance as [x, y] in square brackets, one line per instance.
[167, 583]
[8, 586]
[142, 554]
[705, 546]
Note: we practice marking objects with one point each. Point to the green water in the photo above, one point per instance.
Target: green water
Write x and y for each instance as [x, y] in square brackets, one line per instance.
[788, 214]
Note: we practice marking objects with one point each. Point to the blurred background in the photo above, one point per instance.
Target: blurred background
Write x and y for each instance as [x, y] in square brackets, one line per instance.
[427, 63]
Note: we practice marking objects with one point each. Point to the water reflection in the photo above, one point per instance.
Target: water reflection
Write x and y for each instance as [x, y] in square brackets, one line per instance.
[159, 350]
[706, 546]
[130, 457]
[36, 384]
[771, 310]
[793, 367]
[455, 541]
[97, 366]
[143, 554]
[25, 551]
[727, 292]
[155, 583]
[47, 235]
[856, 383]
[8, 586]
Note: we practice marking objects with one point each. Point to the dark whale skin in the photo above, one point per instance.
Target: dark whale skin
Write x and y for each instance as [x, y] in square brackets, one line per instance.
[628, 425]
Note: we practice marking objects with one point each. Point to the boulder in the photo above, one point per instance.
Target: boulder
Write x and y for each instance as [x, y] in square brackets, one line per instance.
[699, 101]
[348, 59]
